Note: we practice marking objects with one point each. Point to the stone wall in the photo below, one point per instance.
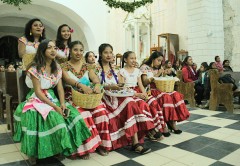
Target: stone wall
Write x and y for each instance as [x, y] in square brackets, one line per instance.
[232, 32]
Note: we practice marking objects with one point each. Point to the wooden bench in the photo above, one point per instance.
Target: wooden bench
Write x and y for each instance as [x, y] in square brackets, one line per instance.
[2, 94]
[16, 91]
[187, 89]
[236, 77]
[220, 93]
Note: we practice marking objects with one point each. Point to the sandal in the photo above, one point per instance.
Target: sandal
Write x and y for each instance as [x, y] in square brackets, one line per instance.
[156, 137]
[102, 151]
[136, 148]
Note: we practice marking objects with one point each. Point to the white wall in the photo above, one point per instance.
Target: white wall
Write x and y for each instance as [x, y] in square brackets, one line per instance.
[205, 30]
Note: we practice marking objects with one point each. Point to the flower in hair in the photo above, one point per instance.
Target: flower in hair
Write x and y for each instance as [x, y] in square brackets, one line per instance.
[71, 30]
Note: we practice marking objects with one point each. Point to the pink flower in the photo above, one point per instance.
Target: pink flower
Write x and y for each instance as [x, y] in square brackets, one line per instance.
[71, 30]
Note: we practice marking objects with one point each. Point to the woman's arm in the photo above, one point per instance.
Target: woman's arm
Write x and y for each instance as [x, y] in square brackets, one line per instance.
[41, 95]
[93, 77]
[140, 84]
[120, 79]
[21, 49]
[72, 82]
[145, 80]
[61, 92]
[186, 76]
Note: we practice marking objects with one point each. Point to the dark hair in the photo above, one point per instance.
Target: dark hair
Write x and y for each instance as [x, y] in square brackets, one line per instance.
[153, 56]
[87, 55]
[210, 65]
[72, 44]
[225, 62]
[166, 63]
[205, 65]
[216, 57]
[59, 41]
[28, 28]
[40, 60]
[174, 64]
[185, 60]
[125, 56]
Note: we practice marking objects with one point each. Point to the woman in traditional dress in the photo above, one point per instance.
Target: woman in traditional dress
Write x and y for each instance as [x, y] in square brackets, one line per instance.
[174, 108]
[76, 74]
[131, 77]
[45, 125]
[33, 35]
[128, 122]
[62, 42]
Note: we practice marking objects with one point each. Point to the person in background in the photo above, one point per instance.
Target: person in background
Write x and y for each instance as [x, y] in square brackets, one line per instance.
[203, 82]
[177, 65]
[218, 63]
[90, 58]
[33, 35]
[212, 65]
[62, 42]
[10, 67]
[2, 68]
[226, 66]
[168, 69]
[190, 75]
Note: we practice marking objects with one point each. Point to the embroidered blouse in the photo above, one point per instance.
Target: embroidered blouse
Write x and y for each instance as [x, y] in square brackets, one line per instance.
[130, 79]
[31, 47]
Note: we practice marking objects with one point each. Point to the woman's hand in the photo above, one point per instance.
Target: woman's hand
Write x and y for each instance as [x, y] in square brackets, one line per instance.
[141, 95]
[59, 110]
[86, 89]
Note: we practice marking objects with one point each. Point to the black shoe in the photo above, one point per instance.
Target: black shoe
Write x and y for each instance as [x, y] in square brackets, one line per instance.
[167, 134]
[172, 130]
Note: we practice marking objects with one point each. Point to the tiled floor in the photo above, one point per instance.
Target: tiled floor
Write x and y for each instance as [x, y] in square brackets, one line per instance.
[208, 138]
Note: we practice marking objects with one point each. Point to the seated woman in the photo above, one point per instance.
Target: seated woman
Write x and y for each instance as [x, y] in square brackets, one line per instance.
[168, 69]
[128, 122]
[44, 125]
[131, 77]
[204, 82]
[174, 108]
[226, 66]
[75, 74]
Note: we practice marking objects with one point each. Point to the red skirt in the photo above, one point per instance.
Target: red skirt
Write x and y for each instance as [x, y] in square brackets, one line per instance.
[155, 111]
[174, 108]
[97, 138]
[125, 119]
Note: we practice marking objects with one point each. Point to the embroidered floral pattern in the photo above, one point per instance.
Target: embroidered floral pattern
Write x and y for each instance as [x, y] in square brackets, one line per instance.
[26, 42]
[67, 67]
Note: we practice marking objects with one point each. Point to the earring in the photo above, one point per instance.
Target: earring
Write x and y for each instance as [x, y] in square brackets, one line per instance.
[30, 33]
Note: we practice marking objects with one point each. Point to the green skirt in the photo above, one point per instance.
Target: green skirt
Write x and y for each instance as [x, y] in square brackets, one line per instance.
[44, 138]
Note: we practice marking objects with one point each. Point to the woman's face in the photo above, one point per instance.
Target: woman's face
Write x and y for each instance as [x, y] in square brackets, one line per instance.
[169, 65]
[190, 61]
[51, 52]
[177, 64]
[107, 54]
[202, 68]
[131, 60]
[77, 52]
[218, 59]
[214, 66]
[91, 58]
[227, 63]
[157, 62]
[37, 28]
[65, 32]
[113, 59]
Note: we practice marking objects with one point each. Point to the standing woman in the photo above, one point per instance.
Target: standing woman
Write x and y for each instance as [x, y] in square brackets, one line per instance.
[42, 125]
[62, 42]
[128, 122]
[174, 108]
[74, 70]
[33, 35]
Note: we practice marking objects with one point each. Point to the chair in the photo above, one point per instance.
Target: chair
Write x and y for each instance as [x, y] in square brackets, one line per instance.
[220, 93]
[187, 89]
[16, 90]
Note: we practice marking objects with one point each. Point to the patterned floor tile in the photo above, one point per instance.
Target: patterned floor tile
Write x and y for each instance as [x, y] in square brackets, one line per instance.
[18, 163]
[218, 163]
[213, 153]
[202, 129]
[235, 126]
[128, 162]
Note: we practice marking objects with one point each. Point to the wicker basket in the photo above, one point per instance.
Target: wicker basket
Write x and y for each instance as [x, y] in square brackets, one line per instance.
[165, 85]
[27, 59]
[88, 101]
